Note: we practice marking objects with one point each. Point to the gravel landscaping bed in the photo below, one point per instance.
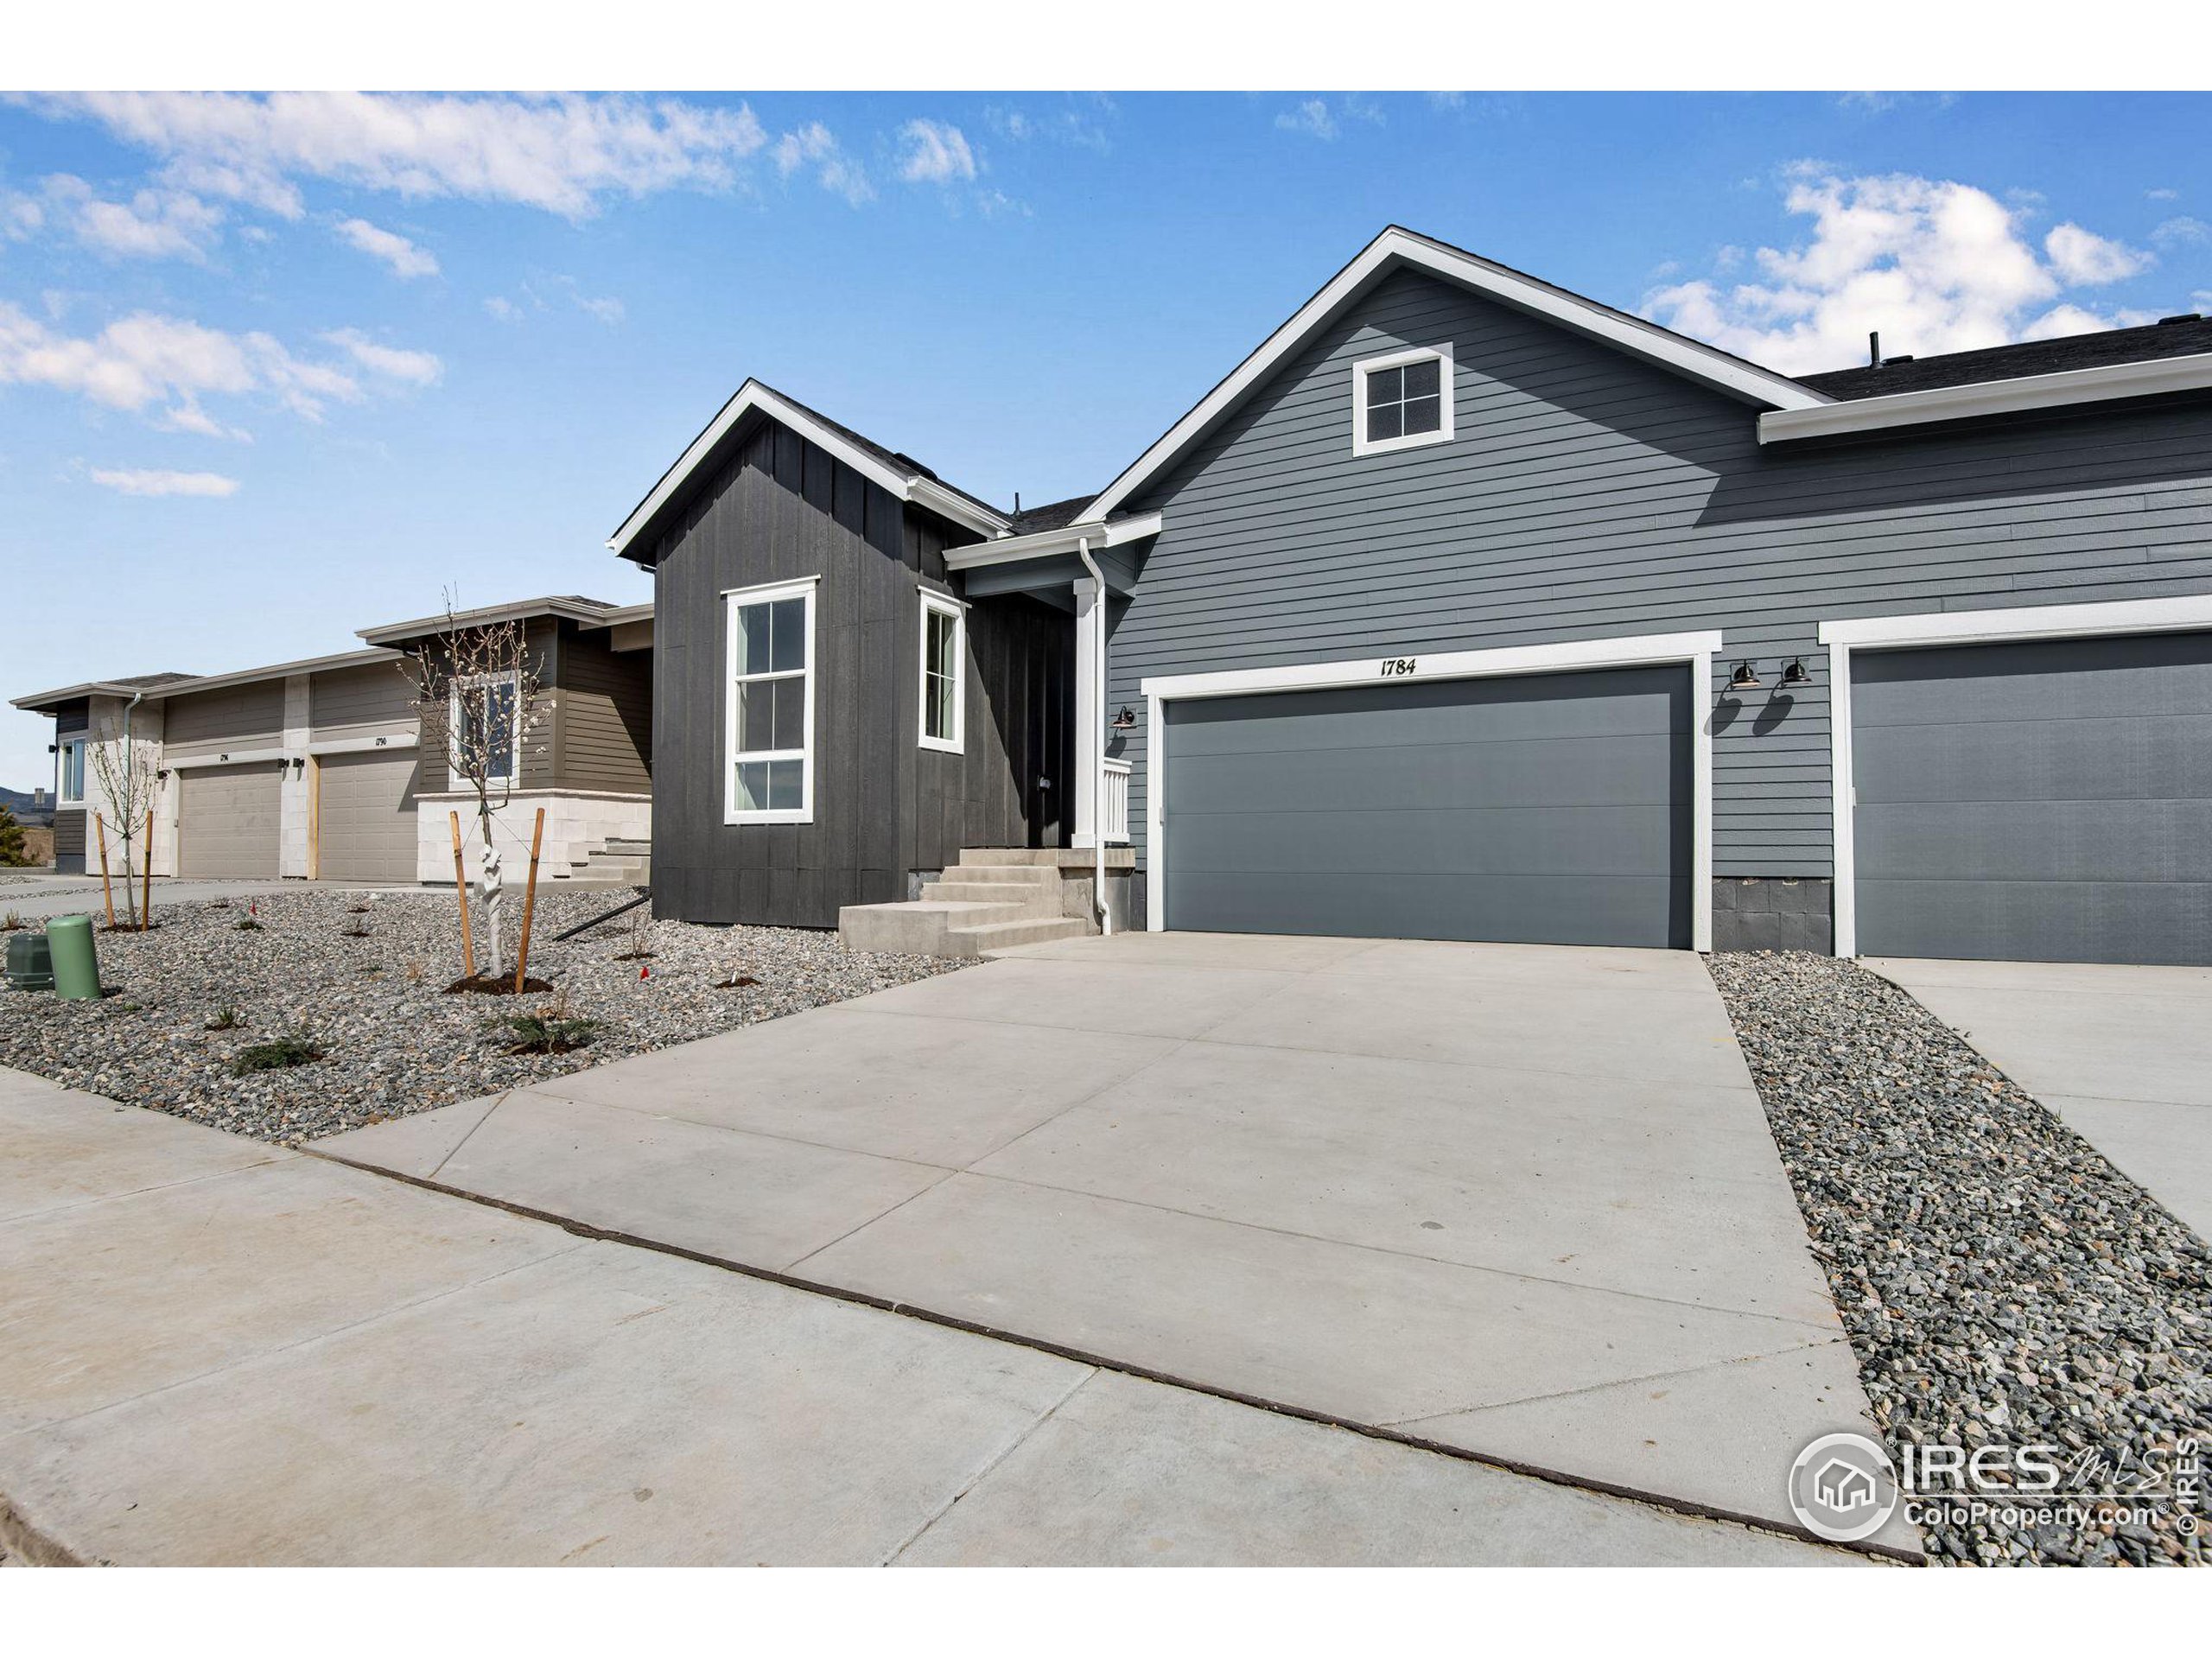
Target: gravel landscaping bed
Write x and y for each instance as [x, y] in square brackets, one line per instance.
[186, 1000]
[2001, 1282]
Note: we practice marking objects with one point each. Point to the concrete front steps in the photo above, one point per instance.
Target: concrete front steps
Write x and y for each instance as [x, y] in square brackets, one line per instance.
[613, 863]
[991, 900]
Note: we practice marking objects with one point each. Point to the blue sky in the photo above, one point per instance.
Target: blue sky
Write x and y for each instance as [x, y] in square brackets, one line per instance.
[271, 372]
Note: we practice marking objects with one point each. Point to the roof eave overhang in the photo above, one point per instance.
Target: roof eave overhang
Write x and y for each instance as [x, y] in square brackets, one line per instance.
[1051, 543]
[753, 398]
[46, 702]
[1398, 247]
[2066, 387]
[394, 634]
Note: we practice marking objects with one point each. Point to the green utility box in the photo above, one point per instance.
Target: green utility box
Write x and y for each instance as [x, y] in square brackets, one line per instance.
[76, 964]
[30, 964]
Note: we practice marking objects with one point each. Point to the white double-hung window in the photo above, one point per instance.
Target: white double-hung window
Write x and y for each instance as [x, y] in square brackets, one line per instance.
[70, 789]
[769, 736]
[944, 652]
[485, 725]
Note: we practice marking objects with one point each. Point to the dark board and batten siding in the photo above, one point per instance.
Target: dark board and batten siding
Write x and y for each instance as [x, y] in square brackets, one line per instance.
[1588, 495]
[783, 509]
[602, 715]
[70, 832]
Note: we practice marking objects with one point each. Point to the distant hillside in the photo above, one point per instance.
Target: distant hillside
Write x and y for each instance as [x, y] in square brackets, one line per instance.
[18, 801]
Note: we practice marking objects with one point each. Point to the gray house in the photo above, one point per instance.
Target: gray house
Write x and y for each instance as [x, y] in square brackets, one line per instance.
[1466, 607]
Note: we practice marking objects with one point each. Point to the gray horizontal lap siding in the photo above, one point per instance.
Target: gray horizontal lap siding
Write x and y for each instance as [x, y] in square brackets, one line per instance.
[1588, 495]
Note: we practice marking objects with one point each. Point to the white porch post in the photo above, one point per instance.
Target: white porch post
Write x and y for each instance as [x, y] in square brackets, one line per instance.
[1089, 720]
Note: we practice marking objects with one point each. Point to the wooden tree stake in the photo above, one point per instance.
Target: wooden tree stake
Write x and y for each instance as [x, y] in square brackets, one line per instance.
[146, 877]
[529, 901]
[460, 885]
[100, 828]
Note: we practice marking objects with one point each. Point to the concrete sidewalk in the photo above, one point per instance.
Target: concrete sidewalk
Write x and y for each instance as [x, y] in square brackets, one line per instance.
[212, 1351]
[2122, 1054]
[1522, 1200]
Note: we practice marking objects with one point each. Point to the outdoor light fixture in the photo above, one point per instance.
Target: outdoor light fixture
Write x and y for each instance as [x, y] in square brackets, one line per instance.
[1795, 674]
[1122, 721]
[1745, 678]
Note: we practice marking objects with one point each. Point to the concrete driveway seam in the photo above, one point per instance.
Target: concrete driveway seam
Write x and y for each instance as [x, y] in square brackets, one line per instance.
[1617, 1383]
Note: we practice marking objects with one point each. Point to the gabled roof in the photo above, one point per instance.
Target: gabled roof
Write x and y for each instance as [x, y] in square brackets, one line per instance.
[2181, 336]
[901, 475]
[1053, 515]
[1397, 248]
[573, 607]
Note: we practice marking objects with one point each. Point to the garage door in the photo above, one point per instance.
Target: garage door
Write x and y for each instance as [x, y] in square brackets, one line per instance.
[2039, 802]
[365, 816]
[1551, 809]
[228, 820]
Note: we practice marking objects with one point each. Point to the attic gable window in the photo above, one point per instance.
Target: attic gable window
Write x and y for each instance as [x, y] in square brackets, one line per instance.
[1401, 401]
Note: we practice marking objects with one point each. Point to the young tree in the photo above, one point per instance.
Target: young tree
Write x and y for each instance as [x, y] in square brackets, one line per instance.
[125, 773]
[478, 693]
[12, 849]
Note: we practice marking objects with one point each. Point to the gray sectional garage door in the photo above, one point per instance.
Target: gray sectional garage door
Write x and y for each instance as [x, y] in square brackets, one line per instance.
[364, 814]
[1551, 809]
[228, 820]
[2044, 802]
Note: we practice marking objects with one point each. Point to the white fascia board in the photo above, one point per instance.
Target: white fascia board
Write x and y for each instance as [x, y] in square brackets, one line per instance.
[366, 745]
[1601, 322]
[1631, 652]
[752, 396]
[230, 757]
[2022, 622]
[41, 703]
[281, 670]
[2031, 391]
[1048, 543]
[483, 616]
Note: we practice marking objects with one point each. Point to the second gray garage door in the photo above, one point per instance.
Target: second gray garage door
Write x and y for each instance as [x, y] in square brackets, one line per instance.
[2044, 802]
[227, 819]
[1548, 809]
[365, 815]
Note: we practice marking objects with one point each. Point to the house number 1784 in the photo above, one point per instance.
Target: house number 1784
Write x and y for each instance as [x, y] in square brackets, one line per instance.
[1395, 666]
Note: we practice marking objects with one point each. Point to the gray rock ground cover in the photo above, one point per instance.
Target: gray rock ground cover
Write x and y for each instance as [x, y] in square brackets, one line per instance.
[2001, 1282]
[374, 1003]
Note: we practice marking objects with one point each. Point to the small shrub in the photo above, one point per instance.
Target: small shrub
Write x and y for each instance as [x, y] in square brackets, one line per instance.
[293, 1048]
[549, 1029]
[248, 925]
[359, 930]
[12, 923]
[415, 972]
[129, 1008]
[222, 1020]
[641, 937]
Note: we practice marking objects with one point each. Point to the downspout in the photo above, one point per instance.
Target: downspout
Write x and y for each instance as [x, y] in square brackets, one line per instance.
[1098, 743]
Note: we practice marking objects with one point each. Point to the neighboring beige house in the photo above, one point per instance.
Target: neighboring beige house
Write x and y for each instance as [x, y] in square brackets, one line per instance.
[316, 770]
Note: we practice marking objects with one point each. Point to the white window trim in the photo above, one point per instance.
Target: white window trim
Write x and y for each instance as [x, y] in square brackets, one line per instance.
[454, 724]
[733, 599]
[937, 604]
[61, 795]
[1694, 651]
[1361, 443]
[2025, 622]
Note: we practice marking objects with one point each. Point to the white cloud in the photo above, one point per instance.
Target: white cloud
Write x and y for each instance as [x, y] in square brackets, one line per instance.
[2184, 229]
[405, 259]
[503, 309]
[2163, 195]
[1935, 265]
[934, 152]
[2069, 319]
[607, 309]
[1081, 122]
[392, 362]
[562, 154]
[815, 147]
[2082, 258]
[146, 362]
[1311, 118]
[143, 481]
[162, 223]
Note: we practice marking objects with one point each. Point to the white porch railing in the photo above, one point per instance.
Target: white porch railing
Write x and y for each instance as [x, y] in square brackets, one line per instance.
[1116, 815]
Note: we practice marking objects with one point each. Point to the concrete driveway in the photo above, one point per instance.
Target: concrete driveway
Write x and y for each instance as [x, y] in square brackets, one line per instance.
[2122, 1054]
[1521, 1200]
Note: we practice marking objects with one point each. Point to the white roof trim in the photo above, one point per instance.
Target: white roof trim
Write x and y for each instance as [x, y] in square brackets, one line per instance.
[2029, 391]
[752, 396]
[521, 610]
[1645, 339]
[1046, 543]
[277, 672]
[2179, 614]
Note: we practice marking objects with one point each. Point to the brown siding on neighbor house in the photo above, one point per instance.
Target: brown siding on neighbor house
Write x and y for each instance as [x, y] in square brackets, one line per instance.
[231, 717]
[374, 700]
[604, 703]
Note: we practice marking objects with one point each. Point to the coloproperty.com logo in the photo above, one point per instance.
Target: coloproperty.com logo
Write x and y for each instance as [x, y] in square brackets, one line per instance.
[1845, 1487]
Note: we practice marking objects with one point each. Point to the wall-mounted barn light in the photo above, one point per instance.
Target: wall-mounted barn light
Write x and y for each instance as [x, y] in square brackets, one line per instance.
[1122, 721]
[1795, 674]
[1745, 678]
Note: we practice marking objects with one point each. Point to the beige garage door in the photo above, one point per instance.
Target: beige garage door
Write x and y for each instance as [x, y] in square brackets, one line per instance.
[366, 816]
[228, 820]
